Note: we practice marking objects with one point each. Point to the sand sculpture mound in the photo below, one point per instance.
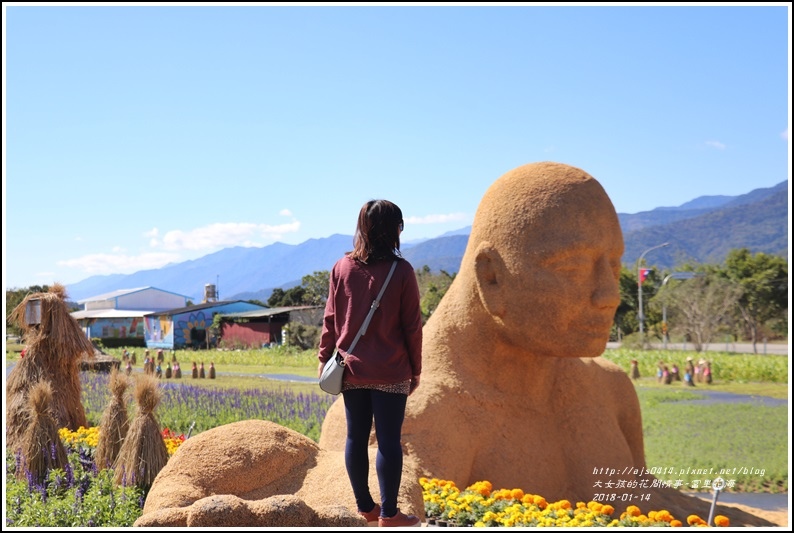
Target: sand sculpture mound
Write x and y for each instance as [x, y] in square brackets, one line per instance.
[256, 473]
[512, 391]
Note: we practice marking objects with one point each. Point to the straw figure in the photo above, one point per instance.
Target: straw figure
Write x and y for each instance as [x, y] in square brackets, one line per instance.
[55, 348]
[177, 370]
[132, 357]
[114, 424]
[195, 370]
[128, 368]
[212, 370]
[41, 446]
[202, 374]
[168, 371]
[143, 453]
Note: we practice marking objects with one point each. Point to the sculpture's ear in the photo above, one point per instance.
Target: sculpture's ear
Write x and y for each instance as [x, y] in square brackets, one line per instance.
[491, 276]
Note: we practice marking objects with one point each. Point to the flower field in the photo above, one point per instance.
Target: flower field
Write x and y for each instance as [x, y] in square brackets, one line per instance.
[480, 506]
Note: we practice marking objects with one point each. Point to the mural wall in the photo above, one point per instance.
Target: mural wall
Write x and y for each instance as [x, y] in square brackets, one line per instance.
[115, 328]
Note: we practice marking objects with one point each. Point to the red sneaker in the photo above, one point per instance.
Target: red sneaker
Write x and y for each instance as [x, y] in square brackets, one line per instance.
[372, 516]
[400, 520]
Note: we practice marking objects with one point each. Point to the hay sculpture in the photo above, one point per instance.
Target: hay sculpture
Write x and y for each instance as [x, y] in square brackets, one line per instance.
[41, 446]
[55, 348]
[115, 422]
[143, 453]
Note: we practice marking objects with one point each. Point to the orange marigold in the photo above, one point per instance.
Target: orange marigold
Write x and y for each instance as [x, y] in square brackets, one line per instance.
[676, 523]
[607, 510]
[694, 520]
[722, 521]
[633, 510]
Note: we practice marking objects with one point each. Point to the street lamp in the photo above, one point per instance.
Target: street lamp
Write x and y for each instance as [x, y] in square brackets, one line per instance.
[674, 275]
[641, 315]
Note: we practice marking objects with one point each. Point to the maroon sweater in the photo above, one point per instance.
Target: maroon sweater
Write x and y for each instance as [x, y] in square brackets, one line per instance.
[391, 349]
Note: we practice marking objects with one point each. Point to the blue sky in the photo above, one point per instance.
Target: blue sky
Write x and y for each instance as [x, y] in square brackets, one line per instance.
[136, 136]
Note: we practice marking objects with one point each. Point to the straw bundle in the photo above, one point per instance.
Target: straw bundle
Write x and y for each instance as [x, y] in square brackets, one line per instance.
[41, 445]
[55, 348]
[115, 422]
[143, 453]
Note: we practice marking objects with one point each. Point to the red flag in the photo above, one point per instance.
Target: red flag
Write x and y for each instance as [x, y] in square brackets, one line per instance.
[644, 273]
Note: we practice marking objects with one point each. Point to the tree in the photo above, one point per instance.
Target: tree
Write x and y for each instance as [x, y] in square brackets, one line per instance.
[699, 307]
[432, 288]
[763, 279]
[316, 287]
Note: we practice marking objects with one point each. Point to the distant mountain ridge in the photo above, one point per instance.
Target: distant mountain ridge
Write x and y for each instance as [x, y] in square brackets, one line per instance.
[702, 230]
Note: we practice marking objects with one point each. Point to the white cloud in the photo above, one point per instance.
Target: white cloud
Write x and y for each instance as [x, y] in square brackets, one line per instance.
[784, 134]
[437, 219]
[285, 213]
[94, 264]
[172, 243]
[224, 235]
[716, 144]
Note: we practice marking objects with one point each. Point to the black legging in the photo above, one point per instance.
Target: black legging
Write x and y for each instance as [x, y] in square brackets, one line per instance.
[389, 411]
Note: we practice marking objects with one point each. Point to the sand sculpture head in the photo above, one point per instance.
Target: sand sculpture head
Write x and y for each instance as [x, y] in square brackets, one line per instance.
[544, 256]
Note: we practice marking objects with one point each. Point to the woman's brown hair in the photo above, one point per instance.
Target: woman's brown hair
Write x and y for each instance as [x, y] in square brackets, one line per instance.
[377, 232]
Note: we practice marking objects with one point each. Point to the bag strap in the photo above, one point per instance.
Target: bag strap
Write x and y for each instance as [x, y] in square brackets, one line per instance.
[375, 305]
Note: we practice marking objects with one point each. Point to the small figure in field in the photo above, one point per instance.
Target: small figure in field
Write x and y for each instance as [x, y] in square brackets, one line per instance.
[177, 370]
[212, 370]
[160, 357]
[660, 372]
[689, 372]
[667, 378]
[128, 368]
[635, 370]
[168, 371]
[707, 372]
[195, 370]
[158, 371]
[202, 375]
[675, 374]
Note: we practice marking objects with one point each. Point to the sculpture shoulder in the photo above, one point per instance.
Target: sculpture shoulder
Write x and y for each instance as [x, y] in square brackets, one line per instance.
[606, 373]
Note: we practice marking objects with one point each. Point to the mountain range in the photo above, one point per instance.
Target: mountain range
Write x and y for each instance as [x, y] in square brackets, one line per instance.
[703, 230]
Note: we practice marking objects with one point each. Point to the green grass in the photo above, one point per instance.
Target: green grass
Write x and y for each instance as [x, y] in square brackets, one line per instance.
[746, 443]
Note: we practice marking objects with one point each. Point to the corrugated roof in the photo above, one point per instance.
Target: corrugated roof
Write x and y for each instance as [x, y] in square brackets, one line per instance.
[109, 313]
[111, 295]
[198, 307]
[269, 312]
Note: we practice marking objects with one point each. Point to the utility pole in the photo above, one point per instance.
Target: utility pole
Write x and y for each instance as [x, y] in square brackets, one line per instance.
[641, 314]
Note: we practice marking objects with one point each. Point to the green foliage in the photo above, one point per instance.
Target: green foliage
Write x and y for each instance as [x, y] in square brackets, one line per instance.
[432, 288]
[313, 290]
[724, 366]
[302, 336]
[87, 499]
[763, 280]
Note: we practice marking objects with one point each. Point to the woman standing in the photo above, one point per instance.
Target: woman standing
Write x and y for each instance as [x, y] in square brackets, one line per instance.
[387, 362]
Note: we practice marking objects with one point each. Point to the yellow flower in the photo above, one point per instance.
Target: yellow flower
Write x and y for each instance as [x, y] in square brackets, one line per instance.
[633, 510]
